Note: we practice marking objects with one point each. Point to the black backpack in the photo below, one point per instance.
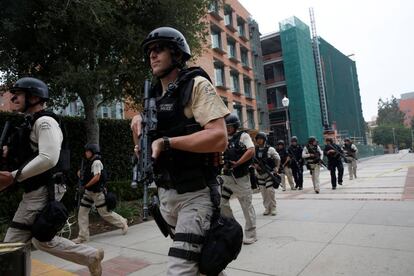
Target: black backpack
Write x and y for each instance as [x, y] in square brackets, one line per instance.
[222, 245]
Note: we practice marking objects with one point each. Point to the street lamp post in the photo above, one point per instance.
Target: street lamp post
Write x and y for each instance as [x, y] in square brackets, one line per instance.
[285, 103]
[393, 135]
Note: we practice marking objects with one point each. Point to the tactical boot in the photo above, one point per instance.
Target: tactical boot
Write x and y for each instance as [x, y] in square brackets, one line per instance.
[273, 212]
[95, 268]
[266, 212]
[249, 240]
[79, 240]
[125, 227]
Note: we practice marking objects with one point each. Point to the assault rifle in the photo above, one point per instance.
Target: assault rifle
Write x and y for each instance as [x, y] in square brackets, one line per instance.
[276, 179]
[78, 195]
[3, 137]
[318, 160]
[293, 157]
[353, 152]
[341, 154]
[3, 163]
[143, 173]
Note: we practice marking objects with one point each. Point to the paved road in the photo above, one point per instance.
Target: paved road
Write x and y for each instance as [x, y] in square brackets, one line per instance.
[365, 227]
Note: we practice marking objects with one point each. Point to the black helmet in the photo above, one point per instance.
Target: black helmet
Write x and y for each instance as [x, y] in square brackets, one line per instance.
[294, 139]
[280, 142]
[311, 139]
[33, 86]
[261, 135]
[347, 140]
[94, 148]
[233, 120]
[169, 35]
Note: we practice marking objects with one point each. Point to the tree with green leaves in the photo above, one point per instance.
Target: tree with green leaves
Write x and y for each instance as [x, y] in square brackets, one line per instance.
[89, 49]
[384, 135]
[389, 112]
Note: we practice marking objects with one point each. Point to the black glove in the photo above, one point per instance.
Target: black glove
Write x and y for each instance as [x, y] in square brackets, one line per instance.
[215, 194]
[81, 189]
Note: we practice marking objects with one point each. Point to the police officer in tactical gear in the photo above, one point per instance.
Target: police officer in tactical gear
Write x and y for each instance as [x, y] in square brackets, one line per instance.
[266, 156]
[333, 152]
[313, 155]
[284, 170]
[35, 151]
[351, 152]
[296, 162]
[237, 158]
[190, 130]
[93, 184]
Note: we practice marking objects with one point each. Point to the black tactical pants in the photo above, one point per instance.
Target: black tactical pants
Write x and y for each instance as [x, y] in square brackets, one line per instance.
[333, 166]
[297, 172]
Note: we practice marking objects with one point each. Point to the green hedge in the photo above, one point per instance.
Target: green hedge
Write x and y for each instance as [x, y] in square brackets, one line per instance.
[116, 148]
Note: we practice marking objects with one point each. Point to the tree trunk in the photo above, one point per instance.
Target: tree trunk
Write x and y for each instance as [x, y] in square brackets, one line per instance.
[90, 104]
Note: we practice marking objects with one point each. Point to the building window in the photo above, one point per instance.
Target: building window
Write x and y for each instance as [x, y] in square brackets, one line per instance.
[247, 88]
[262, 118]
[244, 57]
[219, 74]
[215, 39]
[241, 27]
[238, 109]
[250, 119]
[234, 82]
[231, 48]
[105, 112]
[228, 16]
[275, 96]
[214, 6]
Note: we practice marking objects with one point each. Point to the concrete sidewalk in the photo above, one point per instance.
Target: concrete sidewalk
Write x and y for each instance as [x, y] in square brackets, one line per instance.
[326, 234]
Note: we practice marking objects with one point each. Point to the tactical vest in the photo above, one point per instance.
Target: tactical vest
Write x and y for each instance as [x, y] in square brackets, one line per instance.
[349, 151]
[235, 150]
[21, 151]
[88, 175]
[182, 170]
[283, 153]
[316, 154]
[296, 151]
[335, 156]
[262, 155]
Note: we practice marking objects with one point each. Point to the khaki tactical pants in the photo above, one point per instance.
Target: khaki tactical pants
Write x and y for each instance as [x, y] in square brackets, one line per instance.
[315, 171]
[289, 175]
[31, 204]
[89, 198]
[240, 188]
[187, 213]
[352, 167]
[268, 192]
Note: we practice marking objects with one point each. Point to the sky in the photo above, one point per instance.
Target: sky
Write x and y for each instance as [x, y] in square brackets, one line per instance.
[379, 34]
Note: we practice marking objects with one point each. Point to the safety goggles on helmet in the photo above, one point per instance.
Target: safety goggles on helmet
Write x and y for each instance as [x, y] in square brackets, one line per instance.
[157, 48]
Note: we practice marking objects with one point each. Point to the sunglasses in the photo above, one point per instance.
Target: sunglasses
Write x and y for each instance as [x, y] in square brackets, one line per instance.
[157, 48]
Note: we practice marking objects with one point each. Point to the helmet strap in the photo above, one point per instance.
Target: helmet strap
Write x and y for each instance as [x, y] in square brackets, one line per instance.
[28, 105]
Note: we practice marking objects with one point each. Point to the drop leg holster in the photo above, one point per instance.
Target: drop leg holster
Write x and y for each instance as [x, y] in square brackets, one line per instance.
[155, 212]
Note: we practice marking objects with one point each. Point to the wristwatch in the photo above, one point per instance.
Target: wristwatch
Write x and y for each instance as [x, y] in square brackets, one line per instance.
[167, 145]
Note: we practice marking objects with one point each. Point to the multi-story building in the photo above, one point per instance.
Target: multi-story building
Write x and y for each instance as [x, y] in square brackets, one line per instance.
[232, 55]
[342, 93]
[114, 110]
[233, 60]
[290, 72]
[289, 67]
[407, 107]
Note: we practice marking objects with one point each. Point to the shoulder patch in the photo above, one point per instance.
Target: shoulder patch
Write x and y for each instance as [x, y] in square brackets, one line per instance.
[45, 125]
[209, 89]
